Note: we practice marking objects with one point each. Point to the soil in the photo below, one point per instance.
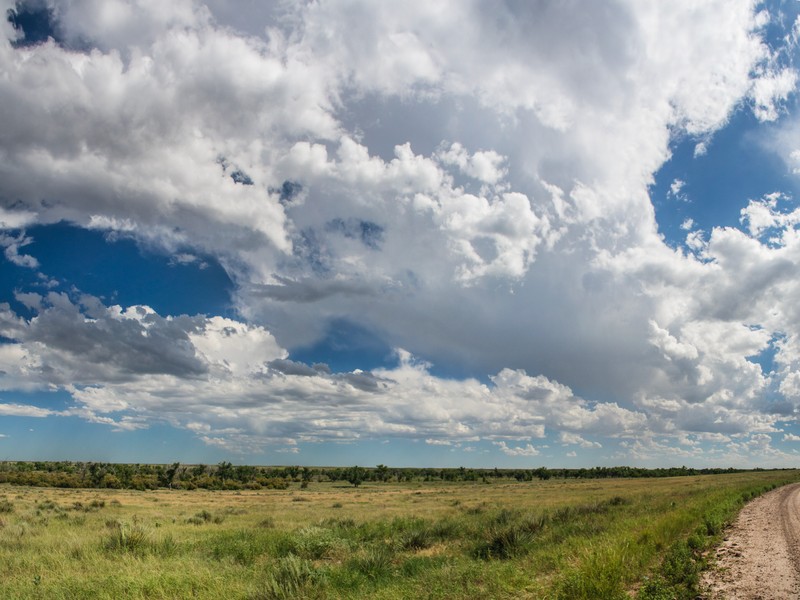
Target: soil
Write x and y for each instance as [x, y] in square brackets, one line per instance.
[760, 555]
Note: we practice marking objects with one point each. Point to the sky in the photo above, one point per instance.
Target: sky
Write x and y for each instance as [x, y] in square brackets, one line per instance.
[465, 232]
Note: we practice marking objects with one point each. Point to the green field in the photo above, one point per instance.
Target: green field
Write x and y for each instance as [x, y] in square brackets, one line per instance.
[607, 538]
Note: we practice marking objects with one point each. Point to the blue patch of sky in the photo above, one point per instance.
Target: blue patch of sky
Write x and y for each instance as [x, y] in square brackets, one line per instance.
[766, 358]
[394, 452]
[119, 271]
[718, 185]
[57, 437]
[738, 166]
[347, 346]
[35, 22]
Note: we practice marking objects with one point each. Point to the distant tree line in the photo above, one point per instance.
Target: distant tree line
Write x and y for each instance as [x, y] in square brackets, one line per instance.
[227, 476]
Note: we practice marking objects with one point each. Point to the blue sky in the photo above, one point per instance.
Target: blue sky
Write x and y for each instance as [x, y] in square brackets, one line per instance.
[333, 233]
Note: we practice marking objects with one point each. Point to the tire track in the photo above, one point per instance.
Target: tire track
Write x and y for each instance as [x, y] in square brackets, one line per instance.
[759, 558]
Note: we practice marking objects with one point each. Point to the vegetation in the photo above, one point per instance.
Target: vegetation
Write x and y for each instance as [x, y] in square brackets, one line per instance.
[545, 538]
[226, 476]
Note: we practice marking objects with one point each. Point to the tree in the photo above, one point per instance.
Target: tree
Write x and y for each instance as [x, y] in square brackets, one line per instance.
[355, 475]
[224, 470]
[382, 472]
[169, 474]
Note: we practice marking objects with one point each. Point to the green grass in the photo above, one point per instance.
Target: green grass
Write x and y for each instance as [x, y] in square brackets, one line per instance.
[553, 539]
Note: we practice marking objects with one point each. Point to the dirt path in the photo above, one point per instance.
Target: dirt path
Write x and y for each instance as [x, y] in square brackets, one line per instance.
[760, 557]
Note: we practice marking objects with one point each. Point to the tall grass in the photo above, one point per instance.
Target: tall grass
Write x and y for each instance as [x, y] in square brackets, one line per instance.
[555, 539]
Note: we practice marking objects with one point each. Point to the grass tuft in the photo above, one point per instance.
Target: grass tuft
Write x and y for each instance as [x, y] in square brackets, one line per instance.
[128, 538]
[293, 578]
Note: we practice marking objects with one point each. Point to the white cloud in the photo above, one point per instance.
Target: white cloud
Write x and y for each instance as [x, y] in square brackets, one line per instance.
[231, 385]
[567, 438]
[470, 183]
[23, 410]
[484, 166]
[676, 187]
[12, 245]
[770, 90]
[700, 149]
[794, 157]
[526, 450]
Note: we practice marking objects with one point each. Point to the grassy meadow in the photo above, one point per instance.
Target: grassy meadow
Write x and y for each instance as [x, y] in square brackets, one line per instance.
[610, 538]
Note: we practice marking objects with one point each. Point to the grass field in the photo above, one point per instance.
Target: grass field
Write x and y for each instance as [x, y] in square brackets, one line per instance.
[550, 539]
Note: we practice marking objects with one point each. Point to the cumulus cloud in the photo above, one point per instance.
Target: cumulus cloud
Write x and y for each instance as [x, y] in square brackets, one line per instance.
[12, 244]
[467, 180]
[568, 439]
[24, 410]
[526, 450]
[231, 383]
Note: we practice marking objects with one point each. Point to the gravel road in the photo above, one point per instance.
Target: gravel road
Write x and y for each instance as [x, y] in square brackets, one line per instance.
[760, 556]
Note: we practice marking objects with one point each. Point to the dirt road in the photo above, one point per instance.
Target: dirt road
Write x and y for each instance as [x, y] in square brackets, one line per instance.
[760, 557]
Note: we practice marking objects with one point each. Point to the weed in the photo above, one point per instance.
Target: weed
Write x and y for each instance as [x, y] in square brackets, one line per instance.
[6, 506]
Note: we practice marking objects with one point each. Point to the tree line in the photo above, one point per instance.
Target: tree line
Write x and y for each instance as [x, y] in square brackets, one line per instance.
[227, 476]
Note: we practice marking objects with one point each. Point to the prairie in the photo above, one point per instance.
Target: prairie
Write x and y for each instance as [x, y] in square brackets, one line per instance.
[599, 538]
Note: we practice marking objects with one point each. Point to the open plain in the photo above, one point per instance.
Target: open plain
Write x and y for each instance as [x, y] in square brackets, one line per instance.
[609, 538]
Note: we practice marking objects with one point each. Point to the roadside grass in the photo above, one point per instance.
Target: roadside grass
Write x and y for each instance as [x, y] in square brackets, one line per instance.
[562, 539]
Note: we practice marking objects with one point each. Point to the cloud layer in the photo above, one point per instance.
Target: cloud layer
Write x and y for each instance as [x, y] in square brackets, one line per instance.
[469, 181]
